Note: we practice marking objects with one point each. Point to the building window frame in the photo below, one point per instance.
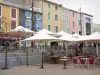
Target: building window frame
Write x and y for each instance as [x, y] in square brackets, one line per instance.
[73, 14]
[11, 18]
[56, 17]
[49, 15]
[56, 29]
[49, 5]
[26, 22]
[73, 24]
[49, 27]
[11, 24]
[73, 32]
[56, 7]
[11, 12]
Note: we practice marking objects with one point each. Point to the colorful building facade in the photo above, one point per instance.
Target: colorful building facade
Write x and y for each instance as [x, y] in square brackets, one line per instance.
[65, 20]
[52, 17]
[8, 17]
[48, 15]
[74, 22]
[76, 26]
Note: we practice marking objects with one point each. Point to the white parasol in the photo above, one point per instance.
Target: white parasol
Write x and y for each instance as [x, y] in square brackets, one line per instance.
[41, 37]
[76, 35]
[46, 32]
[20, 30]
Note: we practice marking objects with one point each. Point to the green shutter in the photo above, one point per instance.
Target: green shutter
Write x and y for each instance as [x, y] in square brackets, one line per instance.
[56, 17]
[56, 7]
[48, 5]
[48, 15]
[73, 24]
[56, 28]
[49, 27]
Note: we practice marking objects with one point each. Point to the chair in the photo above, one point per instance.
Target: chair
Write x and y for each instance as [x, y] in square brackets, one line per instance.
[91, 56]
[76, 62]
[97, 61]
[91, 61]
[82, 62]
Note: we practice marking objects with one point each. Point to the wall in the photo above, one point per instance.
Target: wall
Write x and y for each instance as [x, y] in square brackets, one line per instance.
[76, 20]
[84, 23]
[65, 20]
[6, 13]
[52, 21]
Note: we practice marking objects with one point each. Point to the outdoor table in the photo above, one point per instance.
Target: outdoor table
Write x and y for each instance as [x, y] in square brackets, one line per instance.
[64, 57]
[98, 60]
[98, 57]
[64, 61]
[54, 58]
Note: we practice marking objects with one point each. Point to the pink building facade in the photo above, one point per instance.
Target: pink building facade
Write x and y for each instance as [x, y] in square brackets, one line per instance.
[74, 19]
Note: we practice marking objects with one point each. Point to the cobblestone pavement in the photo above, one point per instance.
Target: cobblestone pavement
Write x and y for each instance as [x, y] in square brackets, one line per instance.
[50, 69]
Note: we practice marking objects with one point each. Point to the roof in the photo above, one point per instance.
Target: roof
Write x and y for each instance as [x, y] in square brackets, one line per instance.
[60, 5]
[20, 7]
[66, 8]
[81, 12]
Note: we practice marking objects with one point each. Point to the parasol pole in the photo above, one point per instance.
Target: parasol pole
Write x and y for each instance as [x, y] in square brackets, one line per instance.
[97, 48]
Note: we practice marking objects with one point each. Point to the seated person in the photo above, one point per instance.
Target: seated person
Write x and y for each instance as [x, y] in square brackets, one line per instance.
[52, 53]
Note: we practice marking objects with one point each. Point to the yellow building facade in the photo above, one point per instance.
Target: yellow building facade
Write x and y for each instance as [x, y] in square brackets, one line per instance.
[7, 20]
[52, 16]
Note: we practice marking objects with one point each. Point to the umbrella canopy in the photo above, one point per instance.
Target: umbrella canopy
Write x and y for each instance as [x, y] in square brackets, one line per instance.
[61, 33]
[41, 38]
[46, 32]
[94, 37]
[67, 37]
[20, 30]
[76, 35]
[82, 38]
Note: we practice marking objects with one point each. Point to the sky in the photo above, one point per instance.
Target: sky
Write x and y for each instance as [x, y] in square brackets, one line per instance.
[91, 7]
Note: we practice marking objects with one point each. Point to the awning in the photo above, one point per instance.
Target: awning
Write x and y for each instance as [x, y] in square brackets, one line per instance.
[11, 36]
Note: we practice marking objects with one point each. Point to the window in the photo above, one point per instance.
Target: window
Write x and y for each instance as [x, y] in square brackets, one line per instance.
[37, 17]
[13, 12]
[38, 25]
[80, 22]
[56, 17]
[48, 5]
[73, 33]
[73, 14]
[80, 33]
[56, 28]
[49, 15]
[73, 24]
[87, 20]
[49, 27]
[28, 23]
[13, 24]
[56, 7]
